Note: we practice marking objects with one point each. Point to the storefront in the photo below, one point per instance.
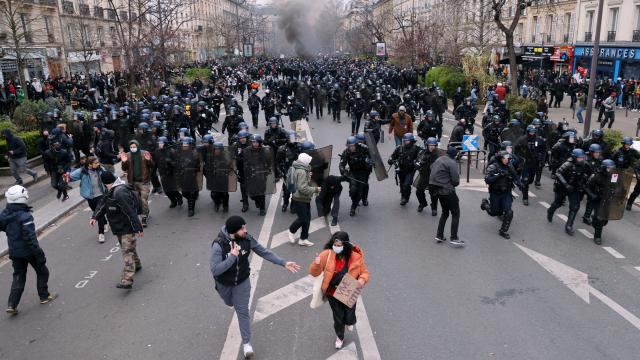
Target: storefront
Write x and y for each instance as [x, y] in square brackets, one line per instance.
[563, 59]
[613, 62]
[538, 57]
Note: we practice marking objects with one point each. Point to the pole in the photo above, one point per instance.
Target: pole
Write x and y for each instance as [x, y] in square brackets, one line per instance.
[593, 71]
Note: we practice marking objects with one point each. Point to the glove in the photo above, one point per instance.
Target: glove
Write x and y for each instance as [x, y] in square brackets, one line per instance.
[390, 162]
[569, 188]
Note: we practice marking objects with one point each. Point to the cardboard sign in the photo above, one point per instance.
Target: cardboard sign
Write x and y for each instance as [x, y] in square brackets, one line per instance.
[348, 291]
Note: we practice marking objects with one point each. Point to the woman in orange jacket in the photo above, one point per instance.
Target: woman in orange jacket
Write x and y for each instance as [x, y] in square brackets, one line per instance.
[339, 257]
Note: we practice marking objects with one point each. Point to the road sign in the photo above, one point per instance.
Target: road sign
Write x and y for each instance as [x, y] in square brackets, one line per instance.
[470, 142]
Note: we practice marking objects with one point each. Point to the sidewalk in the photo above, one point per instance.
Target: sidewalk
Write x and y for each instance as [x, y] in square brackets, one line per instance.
[8, 181]
[52, 209]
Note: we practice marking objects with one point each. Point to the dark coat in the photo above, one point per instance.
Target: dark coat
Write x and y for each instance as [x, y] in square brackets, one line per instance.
[16, 220]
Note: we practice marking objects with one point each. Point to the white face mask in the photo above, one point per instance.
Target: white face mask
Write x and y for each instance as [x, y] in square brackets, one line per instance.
[338, 249]
[133, 149]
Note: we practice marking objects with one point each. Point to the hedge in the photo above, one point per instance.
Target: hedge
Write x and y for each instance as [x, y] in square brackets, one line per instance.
[27, 116]
[30, 139]
[448, 78]
[613, 137]
[527, 107]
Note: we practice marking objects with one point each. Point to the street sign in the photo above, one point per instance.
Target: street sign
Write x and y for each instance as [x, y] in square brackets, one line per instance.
[470, 142]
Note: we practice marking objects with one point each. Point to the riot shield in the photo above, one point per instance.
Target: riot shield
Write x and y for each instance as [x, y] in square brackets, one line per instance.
[259, 177]
[378, 165]
[320, 163]
[188, 170]
[550, 133]
[221, 170]
[612, 206]
[511, 134]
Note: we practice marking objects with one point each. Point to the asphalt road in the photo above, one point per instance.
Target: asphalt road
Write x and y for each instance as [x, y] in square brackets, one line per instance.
[424, 301]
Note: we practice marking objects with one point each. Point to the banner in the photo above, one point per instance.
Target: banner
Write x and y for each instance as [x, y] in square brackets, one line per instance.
[381, 49]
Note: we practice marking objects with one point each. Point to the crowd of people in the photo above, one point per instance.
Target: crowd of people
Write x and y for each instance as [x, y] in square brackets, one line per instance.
[169, 143]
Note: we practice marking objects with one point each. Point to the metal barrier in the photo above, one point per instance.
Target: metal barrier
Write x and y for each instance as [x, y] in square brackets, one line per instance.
[470, 154]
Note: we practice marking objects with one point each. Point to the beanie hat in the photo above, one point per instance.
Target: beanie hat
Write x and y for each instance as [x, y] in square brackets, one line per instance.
[304, 158]
[107, 177]
[234, 223]
[452, 152]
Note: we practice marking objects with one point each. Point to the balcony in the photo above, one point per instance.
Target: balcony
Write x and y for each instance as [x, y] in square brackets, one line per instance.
[51, 38]
[565, 39]
[588, 36]
[611, 36]
[67, 7]
[84, 10]
[98, 12]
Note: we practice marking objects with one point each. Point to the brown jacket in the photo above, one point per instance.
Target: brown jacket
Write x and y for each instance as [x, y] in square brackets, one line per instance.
[357, 267]
[399, 130]
[147, 168]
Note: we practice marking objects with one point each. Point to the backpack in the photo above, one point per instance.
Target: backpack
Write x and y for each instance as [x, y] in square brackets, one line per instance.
[291, 180]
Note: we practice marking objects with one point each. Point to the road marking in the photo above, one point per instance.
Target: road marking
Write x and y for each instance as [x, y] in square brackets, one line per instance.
[544, 204]
[283, 237]
[532, 194]
[578, 282]
[586, 233]
[637, 268]
[348, 352]
[563, 217]
[283, 298]
[233, 341]
[514, 194]
[613, 252]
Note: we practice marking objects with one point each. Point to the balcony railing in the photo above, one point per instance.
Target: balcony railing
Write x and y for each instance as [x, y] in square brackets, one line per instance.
[588, 36]
[636, 36]
[611, 36]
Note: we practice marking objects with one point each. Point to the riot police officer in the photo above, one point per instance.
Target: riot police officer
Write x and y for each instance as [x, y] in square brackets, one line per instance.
[597, 137]
[189, 172]
[285, 157]
[374, 125]
[404, 157]
[164, 158]
[231, 123]
[358, 108]
[501, 178]
[426, 158]
[627, 157]
[429, 127]
[593, 159]
[355, 165]
[254, 107]
[598, 189]
[219, 170]
[570, 180]
[491, 134]
[335, 102]
[561, 151]
[531, 149]
[242, 143]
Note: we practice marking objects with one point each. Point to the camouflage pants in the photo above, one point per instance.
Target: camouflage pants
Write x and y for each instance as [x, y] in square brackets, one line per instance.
[129, 257]
[143, 190]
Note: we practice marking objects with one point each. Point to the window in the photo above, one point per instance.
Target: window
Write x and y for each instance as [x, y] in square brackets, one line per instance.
[613, 18]
[568, 25]
[71, 28]
[590, 14]
[67, 7]
[48, 26]
[99, 35]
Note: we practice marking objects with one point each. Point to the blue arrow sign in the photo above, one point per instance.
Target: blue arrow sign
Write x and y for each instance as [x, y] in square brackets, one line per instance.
[470, 142]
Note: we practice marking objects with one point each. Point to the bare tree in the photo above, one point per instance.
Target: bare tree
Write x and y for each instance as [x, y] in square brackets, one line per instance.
[22, 29]
[508, 27]
[86, 42]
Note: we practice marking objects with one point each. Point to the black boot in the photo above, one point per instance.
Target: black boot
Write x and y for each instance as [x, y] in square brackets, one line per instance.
[352, 212]
[586, 219]
[365, 202]
[525, 201]
[263, 212]
[216, 207]
[484, 205]
[420, 208]
[334, 221]
[179, 200]
[284, 206]
[174, 203]
[550, 212]
[506, 223]
[629, 205]
[245, 207]
[570, 219]
[597, 237]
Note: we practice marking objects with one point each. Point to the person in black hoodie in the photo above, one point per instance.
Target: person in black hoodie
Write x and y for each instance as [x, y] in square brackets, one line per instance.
[16, 220]
[17, 156]
[121, 205]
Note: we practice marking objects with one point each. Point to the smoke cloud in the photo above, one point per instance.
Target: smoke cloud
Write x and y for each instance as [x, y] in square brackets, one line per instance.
[309, 27]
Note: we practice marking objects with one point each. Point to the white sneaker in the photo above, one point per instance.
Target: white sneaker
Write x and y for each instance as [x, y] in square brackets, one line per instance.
[338, 344]
[305, 243]
[101, 238]
[292, 237]
[350, 327]
[248, 351]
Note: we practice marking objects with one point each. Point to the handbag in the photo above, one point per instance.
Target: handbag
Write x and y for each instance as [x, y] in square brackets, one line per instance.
[317, 296]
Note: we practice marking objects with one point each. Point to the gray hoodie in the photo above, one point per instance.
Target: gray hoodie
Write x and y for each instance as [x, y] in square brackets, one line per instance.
[304, 190]
[444, 175]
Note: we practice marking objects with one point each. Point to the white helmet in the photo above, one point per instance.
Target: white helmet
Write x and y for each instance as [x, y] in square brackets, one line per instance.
[17, 194]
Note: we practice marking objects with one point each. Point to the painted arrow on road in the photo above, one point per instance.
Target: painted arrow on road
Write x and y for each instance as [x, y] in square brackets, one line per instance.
[349, 352]
[578, 282]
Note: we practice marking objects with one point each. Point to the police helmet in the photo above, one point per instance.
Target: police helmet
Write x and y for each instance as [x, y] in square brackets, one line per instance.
[408, 137]
[218, 145]
[595, 148]
[162, 140]
[351, 140]
[374, 113]
[514, 122]
[360, 137]
[184, 130]
[243, 134]
[273, 120]
[627, 140]
[308, 145]
[532, 129]
[536, 122]
[608, 164]
[143, 126]
[431, 141]
[506, 144]
[243, 126]
[187, 140]
[208, 138]
[597, 133]
[577, 153]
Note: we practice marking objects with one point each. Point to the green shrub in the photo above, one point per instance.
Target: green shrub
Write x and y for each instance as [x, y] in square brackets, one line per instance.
[27, 116]
[527, 107]
[613, 137]
[448, 78]
[202, 73]
[6, 123]
[30, 139]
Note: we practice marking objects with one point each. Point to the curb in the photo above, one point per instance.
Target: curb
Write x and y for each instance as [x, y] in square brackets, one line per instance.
[29, 183]
[43, 226]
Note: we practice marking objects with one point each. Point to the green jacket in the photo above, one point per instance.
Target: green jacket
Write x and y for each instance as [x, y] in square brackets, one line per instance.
[304, 190]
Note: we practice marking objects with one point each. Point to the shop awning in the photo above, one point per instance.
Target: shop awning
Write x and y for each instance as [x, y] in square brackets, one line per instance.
[505, 61]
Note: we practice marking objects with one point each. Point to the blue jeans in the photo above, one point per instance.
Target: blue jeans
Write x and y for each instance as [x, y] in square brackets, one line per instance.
[398, 140]
[579, 114]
